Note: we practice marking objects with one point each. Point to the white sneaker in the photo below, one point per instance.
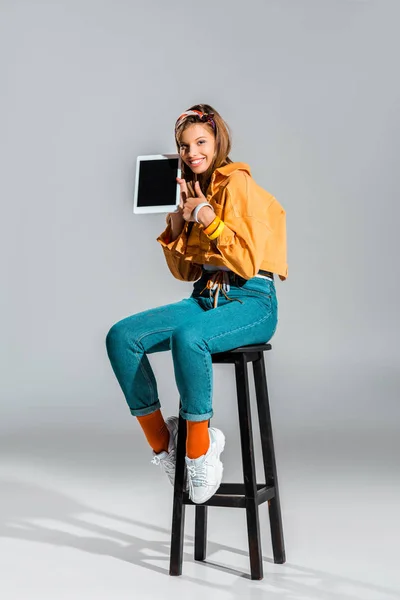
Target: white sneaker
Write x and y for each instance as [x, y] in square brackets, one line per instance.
[205, 472]
[167, 460]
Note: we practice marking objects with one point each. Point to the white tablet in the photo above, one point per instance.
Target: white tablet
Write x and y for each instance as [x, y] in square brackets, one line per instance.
[156, 188]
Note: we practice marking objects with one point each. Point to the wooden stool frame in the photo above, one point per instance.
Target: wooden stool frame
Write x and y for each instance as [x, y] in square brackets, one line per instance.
[248, 495]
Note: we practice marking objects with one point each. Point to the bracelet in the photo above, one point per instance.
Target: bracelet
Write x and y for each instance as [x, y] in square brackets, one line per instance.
[212, 226]
[216, 233]
[198, 207]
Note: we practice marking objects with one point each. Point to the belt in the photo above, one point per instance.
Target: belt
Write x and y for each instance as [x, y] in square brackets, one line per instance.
[265, 274]
[260, 273]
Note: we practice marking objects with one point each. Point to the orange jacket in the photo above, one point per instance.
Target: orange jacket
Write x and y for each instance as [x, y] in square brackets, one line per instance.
[254, 236]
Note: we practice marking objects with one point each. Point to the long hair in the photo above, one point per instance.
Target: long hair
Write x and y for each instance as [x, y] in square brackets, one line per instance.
[222, 147]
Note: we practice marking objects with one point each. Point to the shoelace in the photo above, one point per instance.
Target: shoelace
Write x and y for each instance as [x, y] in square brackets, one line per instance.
[167, 463]
[197, 475]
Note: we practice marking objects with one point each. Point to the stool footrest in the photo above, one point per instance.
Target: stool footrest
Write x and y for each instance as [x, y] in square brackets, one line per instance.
[233, 495]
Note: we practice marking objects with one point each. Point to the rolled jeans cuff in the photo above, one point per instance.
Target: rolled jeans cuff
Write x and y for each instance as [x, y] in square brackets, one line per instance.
[139, 412]
[191, 417]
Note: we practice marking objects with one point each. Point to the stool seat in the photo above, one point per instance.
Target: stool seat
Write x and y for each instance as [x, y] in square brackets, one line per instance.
[228, 356]
[249, 494]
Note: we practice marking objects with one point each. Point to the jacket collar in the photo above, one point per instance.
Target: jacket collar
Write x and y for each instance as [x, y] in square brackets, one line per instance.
[220, 174]
[235, 166]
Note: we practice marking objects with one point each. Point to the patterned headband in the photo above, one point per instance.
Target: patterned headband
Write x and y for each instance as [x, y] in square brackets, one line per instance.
[206, 118]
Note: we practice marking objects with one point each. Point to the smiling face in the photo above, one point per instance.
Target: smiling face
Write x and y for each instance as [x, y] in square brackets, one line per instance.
[197, 147]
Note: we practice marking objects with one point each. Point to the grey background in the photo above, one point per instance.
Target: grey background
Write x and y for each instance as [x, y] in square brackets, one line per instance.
[310, 90]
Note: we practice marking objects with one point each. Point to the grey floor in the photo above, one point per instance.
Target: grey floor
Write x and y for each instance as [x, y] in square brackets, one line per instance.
[85, 515]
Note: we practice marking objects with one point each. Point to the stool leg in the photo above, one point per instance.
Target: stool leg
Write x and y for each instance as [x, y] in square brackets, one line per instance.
[268, 452]
[200, 533]
[249, 472]
[178, 512]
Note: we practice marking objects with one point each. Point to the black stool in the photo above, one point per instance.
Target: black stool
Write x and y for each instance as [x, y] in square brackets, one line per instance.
[246, 495]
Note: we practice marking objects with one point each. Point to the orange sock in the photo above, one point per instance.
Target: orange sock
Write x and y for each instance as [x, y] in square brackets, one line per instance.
[197, 438]
[155, 430]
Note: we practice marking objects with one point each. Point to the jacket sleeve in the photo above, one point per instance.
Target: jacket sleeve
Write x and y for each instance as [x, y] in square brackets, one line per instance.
[247, 215]
[181, 269]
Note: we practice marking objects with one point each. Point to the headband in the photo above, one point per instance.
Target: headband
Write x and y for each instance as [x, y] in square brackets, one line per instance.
[206, 118]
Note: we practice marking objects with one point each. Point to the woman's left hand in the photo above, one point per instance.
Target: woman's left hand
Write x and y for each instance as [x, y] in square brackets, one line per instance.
[191, 203]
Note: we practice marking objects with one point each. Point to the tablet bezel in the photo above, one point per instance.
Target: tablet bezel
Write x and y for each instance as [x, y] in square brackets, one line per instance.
[160, 208]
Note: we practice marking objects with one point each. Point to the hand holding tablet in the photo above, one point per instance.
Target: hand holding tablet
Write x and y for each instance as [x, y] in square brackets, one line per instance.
[183, 191]
[177, 215]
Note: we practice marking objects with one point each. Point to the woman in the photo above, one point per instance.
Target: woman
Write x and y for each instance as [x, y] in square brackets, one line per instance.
[228, 235]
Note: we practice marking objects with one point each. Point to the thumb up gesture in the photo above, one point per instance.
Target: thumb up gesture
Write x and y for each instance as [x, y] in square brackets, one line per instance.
[187, 205]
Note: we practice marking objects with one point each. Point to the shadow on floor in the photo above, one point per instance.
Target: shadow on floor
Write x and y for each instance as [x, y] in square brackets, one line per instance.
[24, 503]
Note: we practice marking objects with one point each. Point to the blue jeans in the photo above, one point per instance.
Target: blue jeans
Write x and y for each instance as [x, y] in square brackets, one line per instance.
[193, 330]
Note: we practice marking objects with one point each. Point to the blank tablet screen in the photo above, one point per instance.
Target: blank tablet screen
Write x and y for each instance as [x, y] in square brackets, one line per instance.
[157, 182]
